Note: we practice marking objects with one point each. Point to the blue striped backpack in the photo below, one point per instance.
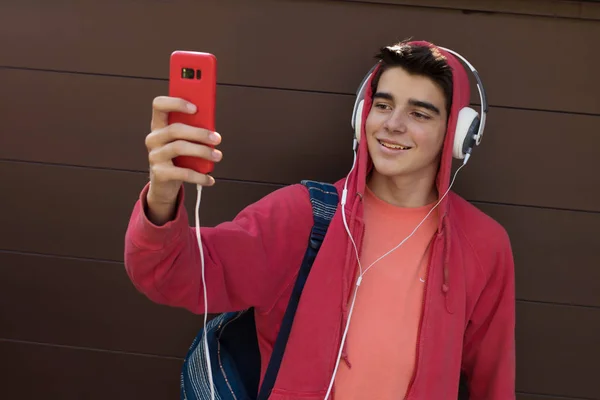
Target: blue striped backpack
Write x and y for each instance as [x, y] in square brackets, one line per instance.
[232, 339]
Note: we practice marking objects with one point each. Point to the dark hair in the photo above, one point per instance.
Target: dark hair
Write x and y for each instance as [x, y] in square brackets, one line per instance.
[418, 60]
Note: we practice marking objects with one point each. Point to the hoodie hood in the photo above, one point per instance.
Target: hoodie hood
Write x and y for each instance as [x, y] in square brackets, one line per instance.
[460, 99]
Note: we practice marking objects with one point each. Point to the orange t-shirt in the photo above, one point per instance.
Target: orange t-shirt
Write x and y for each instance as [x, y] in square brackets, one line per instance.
[382, 338]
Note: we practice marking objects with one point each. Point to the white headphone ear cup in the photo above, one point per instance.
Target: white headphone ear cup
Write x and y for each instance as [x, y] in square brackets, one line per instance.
[358, 121]
[465, 119]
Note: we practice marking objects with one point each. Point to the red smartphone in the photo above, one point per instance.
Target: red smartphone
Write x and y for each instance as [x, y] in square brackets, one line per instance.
[193, 77]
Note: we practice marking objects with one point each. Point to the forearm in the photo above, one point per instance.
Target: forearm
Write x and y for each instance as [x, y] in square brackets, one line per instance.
[160, 259]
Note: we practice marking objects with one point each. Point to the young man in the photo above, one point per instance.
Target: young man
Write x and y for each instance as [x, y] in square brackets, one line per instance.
[440, 305]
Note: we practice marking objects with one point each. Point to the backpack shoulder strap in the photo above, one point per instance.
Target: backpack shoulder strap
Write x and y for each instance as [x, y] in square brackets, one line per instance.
[324, 201]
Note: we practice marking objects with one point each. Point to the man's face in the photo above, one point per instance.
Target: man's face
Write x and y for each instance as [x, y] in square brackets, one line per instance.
[406, 125]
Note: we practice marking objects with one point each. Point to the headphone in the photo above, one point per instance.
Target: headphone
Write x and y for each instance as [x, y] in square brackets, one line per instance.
[469, 124]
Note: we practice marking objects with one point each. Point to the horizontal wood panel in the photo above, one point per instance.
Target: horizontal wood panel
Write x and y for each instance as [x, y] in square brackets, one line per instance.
[529, 396]
[571, 9]
[103, 121]
[285, 136]
[87, 303]
[524, 159]
[254, 48]
[46, 372]
[556, 253]
[84, 212]
[558, 350]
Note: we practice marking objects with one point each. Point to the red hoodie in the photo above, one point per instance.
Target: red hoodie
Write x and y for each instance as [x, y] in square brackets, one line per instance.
[468, 316]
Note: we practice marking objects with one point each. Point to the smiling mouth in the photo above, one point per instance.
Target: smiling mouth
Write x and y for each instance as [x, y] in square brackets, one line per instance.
[393, 146]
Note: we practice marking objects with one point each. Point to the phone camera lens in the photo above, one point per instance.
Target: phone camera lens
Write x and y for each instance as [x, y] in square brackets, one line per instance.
[187, 73]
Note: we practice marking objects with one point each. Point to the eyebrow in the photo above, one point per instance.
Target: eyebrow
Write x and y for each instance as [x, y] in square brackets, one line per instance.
[413, 102]
[383, 96]
[424, 104]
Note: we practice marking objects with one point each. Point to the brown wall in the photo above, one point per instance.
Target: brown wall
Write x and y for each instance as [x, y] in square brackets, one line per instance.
[77, 79]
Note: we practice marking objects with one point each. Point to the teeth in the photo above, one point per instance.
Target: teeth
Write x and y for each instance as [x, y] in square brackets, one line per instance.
[394, 146]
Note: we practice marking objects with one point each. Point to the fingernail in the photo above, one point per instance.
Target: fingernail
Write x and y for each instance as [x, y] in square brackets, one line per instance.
[212, 180]
[216, 155]
[191, 107]
[215, 137]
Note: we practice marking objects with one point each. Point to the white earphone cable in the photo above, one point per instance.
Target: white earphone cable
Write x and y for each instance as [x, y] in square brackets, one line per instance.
[343, 204]
[204, 337]
[420, 223]
[361, 272]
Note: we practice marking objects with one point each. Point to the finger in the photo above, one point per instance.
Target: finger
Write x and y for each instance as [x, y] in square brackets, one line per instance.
[183, 148]
[179, 131]
[169, 173]
[163, 105]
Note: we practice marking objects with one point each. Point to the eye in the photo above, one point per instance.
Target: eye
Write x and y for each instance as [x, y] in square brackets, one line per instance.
[421, 116]
[383, 106]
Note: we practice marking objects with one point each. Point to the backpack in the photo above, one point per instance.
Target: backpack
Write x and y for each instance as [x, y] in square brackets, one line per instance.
[232, 339]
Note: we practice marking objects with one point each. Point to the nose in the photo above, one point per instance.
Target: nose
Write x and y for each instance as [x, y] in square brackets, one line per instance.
[396, 122]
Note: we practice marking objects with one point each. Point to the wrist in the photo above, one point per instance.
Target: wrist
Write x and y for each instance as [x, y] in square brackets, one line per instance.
[159, 211]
